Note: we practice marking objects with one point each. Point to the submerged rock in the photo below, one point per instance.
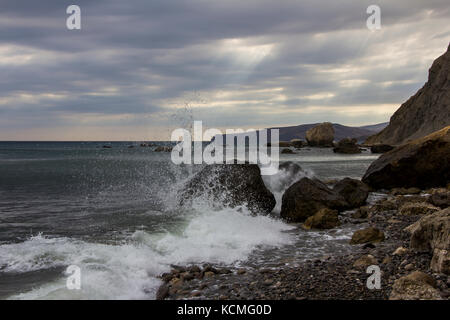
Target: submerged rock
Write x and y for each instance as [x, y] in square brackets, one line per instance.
[347, 146]
[323, 219]
[231, 185]
[422, 163]
[415, 286]
[322, 135]
[287, 151]
[353, 191]
[305, 197]
[368, 235]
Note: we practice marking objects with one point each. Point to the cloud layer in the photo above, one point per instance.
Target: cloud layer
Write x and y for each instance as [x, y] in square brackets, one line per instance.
[134, 67]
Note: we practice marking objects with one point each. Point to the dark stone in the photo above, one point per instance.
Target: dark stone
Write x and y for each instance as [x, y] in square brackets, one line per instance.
[231, 185]
[381, 148]
[422, 163]
[347, 146]
[353, 191]
[305, 197]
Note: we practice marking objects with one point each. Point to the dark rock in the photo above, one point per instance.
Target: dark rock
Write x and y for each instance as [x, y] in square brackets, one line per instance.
[347, 146]
[415, 286]
[353, 191]
[231, 185]
[305, 197]
[370, 234]
[440, 199]
[361, 213]
[297, 143]
[432, 234]
[322, 135]
[287, 151]
[163, 292]
[421, 163]
[323, 219]
[381, 148]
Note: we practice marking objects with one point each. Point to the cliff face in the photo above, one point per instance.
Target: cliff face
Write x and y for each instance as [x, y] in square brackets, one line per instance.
[425, 112]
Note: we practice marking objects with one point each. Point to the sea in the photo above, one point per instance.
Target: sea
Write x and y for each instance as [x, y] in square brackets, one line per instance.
[111, 210]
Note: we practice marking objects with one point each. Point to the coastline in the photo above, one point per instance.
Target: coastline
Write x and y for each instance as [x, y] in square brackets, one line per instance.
[331, 277]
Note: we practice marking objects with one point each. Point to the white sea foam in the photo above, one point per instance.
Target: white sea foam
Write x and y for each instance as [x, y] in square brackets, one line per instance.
[129, 270]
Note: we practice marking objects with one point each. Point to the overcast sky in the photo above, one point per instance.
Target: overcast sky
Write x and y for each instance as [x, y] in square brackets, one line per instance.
[133, 67]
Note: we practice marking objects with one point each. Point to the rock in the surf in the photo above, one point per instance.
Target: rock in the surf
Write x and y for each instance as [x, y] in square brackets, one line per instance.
[305, 197]
[323, 219]
[353, 191]
[231, 185]
[347, 146]
[322, 135]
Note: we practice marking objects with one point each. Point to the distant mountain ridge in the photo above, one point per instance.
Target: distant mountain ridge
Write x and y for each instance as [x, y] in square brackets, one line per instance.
[340, 131]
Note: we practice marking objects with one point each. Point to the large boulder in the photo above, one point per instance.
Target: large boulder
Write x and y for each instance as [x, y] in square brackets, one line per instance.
[323, 219]
[368, 235]
[353, 191]
[432, 234]
[230, 185]
[305, 197]
[322, 135]
[421, 163]
[347, 146]
[425, 112]
[415, 286]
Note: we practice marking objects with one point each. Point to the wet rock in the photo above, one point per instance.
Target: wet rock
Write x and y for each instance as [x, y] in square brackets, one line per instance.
[322, 135]
[440, 199]
[381, 148]
[347, 146]
[231, 185]
[365, 261]
[353, 191]
[361, 213]
[432, 234]
[415, 286]
[421, 163]
[163, 292]
[370, 234]
[415, 209]
[305, 197]
[323, 219]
